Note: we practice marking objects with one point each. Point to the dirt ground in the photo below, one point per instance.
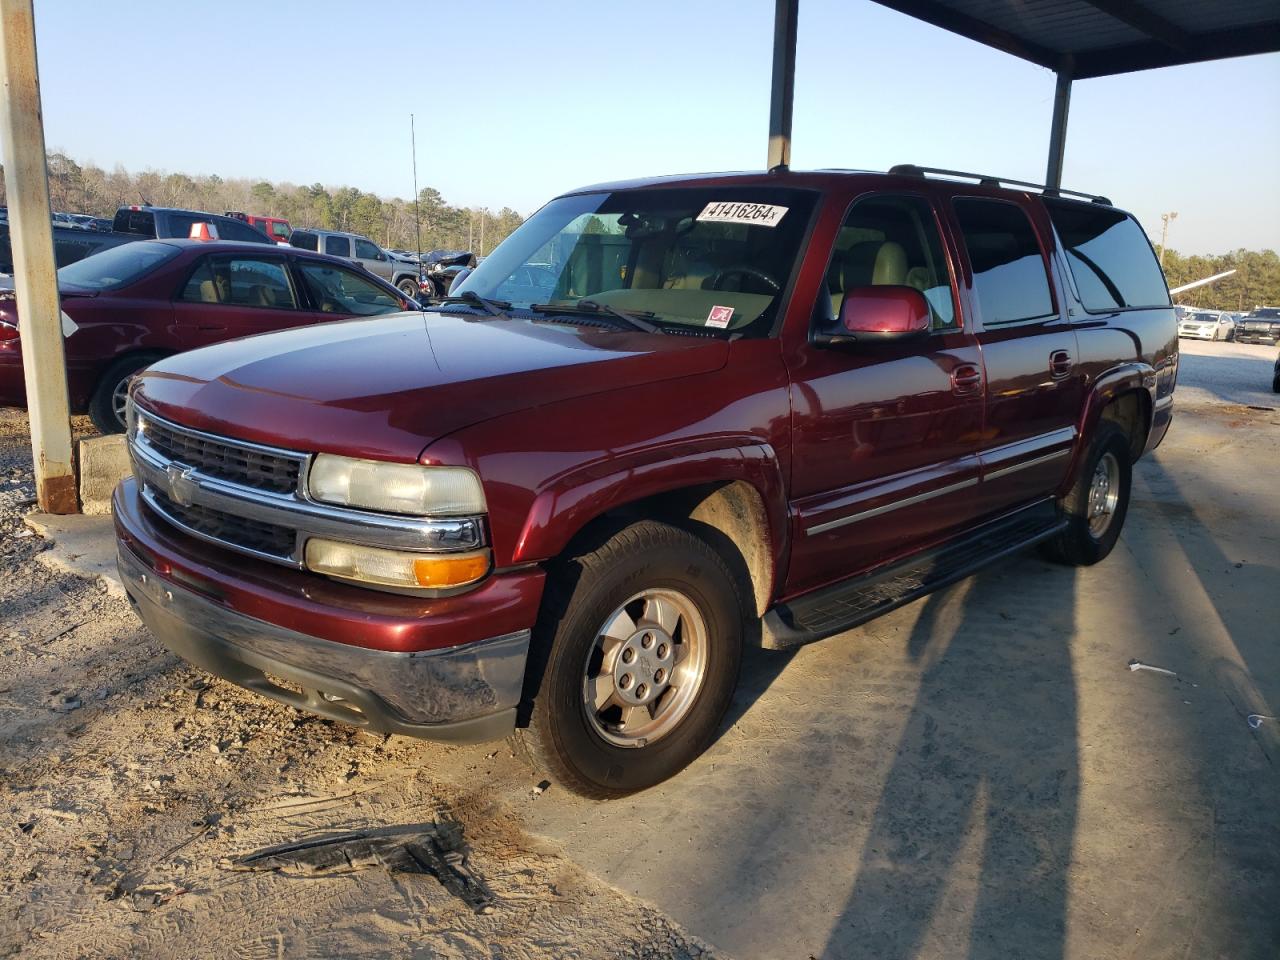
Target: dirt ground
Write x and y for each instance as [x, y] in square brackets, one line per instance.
[978, 774]
[126, 778]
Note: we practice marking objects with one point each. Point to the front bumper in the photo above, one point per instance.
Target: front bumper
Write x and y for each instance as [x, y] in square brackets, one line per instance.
[196, 604]
[461, 695]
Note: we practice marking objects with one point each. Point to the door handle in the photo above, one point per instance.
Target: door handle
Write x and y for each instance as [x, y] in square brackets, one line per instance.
[966, 379]
[1060, 364]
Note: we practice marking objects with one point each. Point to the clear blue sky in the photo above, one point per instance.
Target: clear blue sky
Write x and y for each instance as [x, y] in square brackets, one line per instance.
[518, 101]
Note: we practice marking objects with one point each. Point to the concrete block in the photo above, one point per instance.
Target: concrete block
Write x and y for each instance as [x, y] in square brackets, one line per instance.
[84, 546]
[104, 462]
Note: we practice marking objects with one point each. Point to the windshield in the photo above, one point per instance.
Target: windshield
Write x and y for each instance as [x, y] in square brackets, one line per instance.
[117, 266]
[717, 258]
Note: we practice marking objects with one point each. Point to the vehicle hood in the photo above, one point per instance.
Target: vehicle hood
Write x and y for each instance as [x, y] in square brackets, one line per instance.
[386, 388]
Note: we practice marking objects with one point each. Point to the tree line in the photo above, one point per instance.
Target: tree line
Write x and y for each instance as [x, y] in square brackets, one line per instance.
[88, 188]
[1255, 283]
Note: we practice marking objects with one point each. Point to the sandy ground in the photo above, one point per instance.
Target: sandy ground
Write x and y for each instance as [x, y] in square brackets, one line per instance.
[126, 778]
[978, 774]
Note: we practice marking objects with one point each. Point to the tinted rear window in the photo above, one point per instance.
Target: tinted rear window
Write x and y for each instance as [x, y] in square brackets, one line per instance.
[1009, 274]
[135, 221]
[337, 246]
[304, 240]
[117, 266]
[1111, 260]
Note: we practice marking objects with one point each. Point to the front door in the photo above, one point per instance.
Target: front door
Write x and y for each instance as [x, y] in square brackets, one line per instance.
[1035, 391]
[885, 436]
[372, 259]
[236, 295]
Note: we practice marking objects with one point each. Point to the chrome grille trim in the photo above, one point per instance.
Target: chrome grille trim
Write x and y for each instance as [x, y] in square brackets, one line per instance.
[182, 485]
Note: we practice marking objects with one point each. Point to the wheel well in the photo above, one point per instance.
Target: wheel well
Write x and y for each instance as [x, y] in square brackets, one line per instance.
[1132, 412]
[730, 516]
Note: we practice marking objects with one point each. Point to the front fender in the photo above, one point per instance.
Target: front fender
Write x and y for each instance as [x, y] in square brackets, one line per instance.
[571, 501]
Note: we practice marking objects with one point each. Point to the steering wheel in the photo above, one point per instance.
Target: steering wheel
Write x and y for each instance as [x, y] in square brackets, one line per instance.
[746, 270]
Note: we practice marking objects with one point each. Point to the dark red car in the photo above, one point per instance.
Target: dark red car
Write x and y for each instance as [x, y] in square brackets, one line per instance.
[662, 420]
[130, 305]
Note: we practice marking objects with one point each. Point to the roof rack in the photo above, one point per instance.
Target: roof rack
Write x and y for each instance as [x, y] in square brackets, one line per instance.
[986, 180]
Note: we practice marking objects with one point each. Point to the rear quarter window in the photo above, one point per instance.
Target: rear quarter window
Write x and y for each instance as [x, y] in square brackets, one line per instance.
[1110, 258]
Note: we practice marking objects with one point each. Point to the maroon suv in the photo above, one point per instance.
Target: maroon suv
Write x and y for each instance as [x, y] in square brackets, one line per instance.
[662, 420]
[130, 305]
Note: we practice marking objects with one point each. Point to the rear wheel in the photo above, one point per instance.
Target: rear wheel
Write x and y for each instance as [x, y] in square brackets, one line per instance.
[1098, 501]
[639, 647]
[107, 405]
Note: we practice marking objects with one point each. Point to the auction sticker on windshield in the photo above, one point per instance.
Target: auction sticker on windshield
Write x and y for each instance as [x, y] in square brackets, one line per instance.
[756, 214]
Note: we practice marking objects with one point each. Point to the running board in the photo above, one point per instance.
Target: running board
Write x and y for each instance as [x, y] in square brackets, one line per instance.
[841, 606]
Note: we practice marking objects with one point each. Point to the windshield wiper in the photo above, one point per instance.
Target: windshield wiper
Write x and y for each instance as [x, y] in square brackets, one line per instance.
[496, 308]
[592, 308]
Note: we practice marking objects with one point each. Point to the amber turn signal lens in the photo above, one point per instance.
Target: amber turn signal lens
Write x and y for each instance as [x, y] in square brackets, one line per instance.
[395, 568]
[448, 570]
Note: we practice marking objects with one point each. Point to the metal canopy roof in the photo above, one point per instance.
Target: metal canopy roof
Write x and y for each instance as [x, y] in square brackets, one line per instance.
[1098, 38]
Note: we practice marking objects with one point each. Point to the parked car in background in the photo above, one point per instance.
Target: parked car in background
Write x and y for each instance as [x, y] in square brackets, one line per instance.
[168, 223]
[69, 244]
[135, 303]
[750, 408]
[277, 228]
[1207, 325]
[441, 267]
[1261, 325]
[402, 274]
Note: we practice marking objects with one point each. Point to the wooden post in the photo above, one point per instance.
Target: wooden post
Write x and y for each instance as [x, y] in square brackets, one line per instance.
[35, 277]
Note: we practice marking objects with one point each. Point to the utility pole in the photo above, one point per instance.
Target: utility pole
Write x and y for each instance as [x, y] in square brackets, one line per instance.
[35, 277]
[1164, 232]
[482, 219]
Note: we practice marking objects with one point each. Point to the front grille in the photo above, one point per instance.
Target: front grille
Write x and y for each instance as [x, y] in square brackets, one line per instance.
[235, 531]
[250, 467]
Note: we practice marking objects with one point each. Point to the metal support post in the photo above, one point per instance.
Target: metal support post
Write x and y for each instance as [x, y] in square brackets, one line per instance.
[35, 275]
[1058, 131]
[784, 82]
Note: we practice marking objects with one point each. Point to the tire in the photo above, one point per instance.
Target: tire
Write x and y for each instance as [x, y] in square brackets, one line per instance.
[1089, 538]
[409, 287]
[1275, 383]
[106, 408]
[609, 753]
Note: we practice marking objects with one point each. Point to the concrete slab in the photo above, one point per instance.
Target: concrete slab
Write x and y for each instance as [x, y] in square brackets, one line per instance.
[79, 544]
[104, 462]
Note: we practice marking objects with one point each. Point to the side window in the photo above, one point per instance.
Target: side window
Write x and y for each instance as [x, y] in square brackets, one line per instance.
[1110, 258]
[887, 239]
[1009, 276]
[241, 281]
[337, 246]
[365, 250]
[344, 293]
[304, 241]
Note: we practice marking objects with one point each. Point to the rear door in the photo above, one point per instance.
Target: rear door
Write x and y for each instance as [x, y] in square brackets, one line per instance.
[336, 245]
[236, 295]
[1035, 389]
[885, 436]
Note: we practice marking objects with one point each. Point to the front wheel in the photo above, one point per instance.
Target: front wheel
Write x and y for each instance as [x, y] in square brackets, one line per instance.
[639, 646]
[1098, 500]
[409, 287]
[107, 405]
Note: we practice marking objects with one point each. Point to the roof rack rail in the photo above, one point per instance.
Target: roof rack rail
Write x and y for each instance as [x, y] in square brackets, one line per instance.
[986, 180]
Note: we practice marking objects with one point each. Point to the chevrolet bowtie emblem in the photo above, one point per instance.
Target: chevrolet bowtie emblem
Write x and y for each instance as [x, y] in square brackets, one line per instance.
[182, 484]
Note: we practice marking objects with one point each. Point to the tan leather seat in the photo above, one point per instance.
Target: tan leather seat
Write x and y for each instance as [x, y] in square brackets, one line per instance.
[261, 295]
[890, 266]
[208, 292]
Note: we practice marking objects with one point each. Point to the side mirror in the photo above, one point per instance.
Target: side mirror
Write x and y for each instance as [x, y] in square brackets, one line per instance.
[458, 278]
[878, 314]
[381, 255]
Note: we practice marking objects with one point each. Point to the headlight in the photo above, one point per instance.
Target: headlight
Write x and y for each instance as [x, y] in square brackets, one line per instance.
[394, 568]
[395, 487]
